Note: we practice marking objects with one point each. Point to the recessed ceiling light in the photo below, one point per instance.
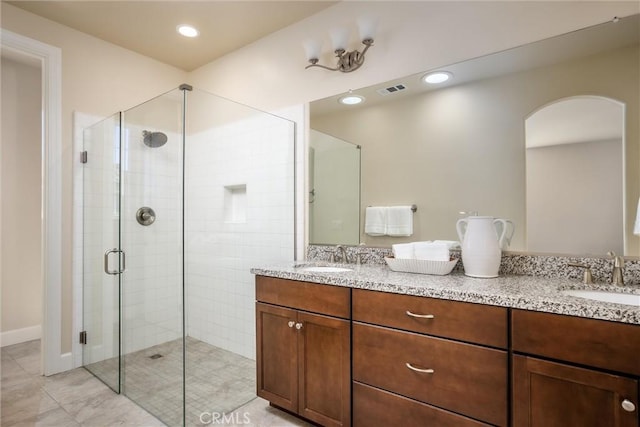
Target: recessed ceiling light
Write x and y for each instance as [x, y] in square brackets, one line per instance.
[187, 31]
[351, 99]
[437, 77]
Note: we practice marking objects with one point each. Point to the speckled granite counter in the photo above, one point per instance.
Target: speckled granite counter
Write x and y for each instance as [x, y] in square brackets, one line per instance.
[524, 292]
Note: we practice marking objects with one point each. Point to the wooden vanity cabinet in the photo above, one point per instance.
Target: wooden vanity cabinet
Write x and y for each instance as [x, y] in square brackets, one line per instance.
[592, 380]
[409, 357]
[303, 349]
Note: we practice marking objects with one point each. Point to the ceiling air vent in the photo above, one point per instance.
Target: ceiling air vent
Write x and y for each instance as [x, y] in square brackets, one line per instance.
[391, 89]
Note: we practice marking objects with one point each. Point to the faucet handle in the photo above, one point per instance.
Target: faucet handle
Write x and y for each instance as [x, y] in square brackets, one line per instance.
[618, 261]
[360, 252]
[587, 278]
[618, 265]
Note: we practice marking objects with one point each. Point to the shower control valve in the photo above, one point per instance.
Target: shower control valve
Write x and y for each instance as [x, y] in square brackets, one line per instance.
[145, 216]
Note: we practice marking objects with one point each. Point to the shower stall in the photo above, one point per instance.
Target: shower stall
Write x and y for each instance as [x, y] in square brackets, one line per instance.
[181, 196]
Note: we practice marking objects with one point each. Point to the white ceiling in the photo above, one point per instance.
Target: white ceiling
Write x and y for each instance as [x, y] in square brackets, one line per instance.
[149, 27]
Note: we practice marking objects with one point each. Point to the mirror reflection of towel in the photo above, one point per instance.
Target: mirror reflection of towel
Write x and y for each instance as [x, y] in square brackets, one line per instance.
[399, 221]
[375, 222]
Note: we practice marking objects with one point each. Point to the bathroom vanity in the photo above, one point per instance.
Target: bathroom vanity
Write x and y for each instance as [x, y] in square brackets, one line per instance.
[374, 347]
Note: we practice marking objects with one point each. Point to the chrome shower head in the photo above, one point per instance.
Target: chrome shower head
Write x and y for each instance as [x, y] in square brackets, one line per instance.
[154, 139]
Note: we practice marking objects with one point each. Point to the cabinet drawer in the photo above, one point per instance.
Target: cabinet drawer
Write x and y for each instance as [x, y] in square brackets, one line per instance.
[597, 343]
[375, 407]
[324, 299]
[475, 323]
[466, 378]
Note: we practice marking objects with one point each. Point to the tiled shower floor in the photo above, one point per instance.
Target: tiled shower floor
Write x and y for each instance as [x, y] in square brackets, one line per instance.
[216, 380]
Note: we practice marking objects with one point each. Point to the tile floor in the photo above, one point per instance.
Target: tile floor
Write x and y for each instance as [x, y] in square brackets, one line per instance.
[77, 398]
[216, 380]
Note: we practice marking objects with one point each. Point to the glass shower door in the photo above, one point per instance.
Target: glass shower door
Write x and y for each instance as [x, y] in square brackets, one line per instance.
[151, 230]
[102, 257]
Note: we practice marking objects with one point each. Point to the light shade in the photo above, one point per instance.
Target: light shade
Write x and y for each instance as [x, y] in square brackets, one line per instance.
[351, 99]
[437, 77]
[187, 30]
[312, 48]
[367, 27]
[339, 38]
[636, 227]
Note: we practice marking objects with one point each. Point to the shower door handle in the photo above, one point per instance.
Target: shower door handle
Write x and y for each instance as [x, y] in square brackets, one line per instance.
[106, 261]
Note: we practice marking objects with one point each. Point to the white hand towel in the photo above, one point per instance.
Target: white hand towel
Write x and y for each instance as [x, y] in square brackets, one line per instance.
[452, 244]
[403, 251]
[431, 251]
[375, 221]
[399, 221]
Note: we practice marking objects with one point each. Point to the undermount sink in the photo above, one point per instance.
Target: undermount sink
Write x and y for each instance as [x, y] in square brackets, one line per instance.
[616, 297]
[326, 269]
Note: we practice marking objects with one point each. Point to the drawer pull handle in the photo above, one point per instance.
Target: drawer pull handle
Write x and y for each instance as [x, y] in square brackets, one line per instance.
[421, 316]
[424, 371]
[291, 323]
[628, 405]
[298, 326]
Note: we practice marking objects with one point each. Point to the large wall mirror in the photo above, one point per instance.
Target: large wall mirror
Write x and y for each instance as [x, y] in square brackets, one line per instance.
[469, 144]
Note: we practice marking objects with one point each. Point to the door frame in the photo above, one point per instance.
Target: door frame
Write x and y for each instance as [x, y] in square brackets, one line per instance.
[50, 57]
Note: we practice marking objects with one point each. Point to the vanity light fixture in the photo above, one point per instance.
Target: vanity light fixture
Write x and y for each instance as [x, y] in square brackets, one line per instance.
[437, 77]
[187, 30]
[348, 61]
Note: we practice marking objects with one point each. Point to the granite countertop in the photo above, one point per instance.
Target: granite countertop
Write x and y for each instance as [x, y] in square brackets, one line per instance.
[524, 292]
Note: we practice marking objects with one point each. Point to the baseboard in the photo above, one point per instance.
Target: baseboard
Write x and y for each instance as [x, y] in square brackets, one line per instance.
[17, 336]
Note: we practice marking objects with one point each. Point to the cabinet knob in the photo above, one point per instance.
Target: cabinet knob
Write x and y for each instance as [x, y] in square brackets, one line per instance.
[298, 326]
[628, 405]
[291, 323]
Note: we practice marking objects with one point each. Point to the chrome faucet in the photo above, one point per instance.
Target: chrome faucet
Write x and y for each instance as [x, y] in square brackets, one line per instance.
[339, 249]
[618, 268]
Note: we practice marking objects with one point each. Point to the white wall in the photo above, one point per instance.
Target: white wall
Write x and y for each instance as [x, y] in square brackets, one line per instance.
[21, 202]
[574, 198]
[98, 78]
[256, 154]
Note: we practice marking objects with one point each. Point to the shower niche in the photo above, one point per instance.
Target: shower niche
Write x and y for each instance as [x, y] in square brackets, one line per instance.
[170, 322]
[235, 204]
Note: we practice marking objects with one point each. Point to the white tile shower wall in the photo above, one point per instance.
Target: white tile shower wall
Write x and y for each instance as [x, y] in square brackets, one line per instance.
[152, 282]
[256, 152]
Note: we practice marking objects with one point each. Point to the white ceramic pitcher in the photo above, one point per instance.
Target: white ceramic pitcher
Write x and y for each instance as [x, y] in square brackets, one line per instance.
[481, 245]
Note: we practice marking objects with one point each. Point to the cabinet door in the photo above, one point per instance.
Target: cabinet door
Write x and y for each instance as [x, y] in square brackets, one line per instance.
[547, 394]
[324, 369]
[276, 355]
